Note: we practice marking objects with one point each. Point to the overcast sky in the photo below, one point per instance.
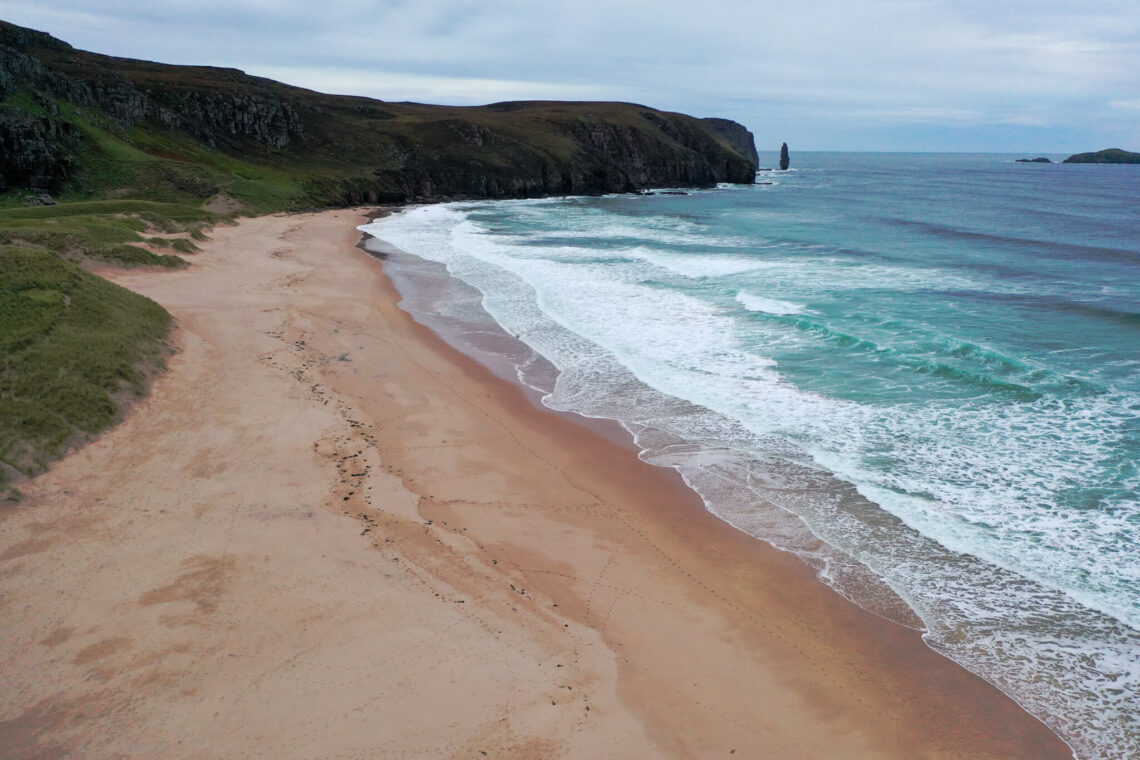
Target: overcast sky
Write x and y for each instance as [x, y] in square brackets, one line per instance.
[1025, 76]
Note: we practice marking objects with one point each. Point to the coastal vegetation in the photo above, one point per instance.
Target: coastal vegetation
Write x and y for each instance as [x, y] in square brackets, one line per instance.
[112, 161]
[74, 347]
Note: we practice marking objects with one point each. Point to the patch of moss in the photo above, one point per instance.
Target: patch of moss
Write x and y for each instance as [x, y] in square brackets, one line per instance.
[24, 101]
[182, 245]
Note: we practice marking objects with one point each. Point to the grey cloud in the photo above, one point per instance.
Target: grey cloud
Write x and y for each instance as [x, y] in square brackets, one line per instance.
[805, 71]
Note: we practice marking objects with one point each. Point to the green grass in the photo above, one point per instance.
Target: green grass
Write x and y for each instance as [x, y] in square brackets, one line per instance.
[155, 164]
[71, 344]
[105, 230]
[74, 348]
[176, 212]
[183, 246]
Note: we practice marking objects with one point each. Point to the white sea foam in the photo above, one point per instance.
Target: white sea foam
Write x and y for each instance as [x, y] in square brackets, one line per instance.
[660, 232]
[695, 264]
[766, 305]
[961, 525]
[978, 503]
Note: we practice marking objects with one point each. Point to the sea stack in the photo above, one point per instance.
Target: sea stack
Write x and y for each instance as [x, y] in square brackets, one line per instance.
[784, 160]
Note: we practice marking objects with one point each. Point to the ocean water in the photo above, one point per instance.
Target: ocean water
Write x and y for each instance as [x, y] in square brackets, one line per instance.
[920, 373]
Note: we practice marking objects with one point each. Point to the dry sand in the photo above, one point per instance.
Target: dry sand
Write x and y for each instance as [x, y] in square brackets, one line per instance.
[327, 535]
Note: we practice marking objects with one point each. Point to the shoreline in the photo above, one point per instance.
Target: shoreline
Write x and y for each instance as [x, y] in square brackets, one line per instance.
[493, 365]
[499, 354]
[368, 524]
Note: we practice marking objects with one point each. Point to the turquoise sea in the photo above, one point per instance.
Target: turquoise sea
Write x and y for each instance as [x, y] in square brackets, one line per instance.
[919, 372]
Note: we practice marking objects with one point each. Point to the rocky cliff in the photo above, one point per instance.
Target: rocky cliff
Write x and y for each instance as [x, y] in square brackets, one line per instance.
[63, 111]
[36, 152]
[39, 73]
[737, 135]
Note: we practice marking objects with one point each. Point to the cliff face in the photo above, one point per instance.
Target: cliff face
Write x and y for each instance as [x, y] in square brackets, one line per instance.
[342, 149]
[737, 135]
[93, 81]
[36, 152]
[654, 150]
[213, 118]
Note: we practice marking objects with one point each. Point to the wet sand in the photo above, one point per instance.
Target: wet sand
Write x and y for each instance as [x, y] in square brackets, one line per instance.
[326, 533]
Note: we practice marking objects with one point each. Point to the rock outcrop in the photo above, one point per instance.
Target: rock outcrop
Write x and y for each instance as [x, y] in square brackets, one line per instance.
[1038, 160]
[736, 134]
[94, 81]
[36, 152]
[785, 159]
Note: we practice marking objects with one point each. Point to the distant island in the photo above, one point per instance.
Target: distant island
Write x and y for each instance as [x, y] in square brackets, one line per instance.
[1109, 156]
[1038, 160]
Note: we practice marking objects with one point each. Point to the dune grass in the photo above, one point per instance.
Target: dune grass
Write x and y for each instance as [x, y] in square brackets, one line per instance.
[75, 348]
[107, 230]
[72, 347]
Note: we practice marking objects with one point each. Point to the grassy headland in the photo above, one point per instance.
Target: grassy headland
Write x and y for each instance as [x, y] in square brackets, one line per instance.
[91, 126]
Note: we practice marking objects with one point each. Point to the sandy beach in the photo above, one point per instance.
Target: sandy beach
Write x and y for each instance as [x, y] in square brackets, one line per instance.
[327, 534]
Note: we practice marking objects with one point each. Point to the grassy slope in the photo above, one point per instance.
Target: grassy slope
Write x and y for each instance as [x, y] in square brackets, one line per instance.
[105, 230]
[70, 344]
[74, 348]
[149, 163]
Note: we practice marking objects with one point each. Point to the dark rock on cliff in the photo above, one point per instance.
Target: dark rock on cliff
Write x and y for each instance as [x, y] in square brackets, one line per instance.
[334, 149]
[36, 152]
[785, 159]
[737, 135]
[1108, 156]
